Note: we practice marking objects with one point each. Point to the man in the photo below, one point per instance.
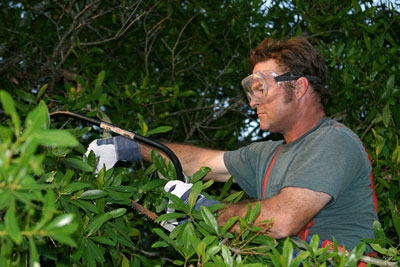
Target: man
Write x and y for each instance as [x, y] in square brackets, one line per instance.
[318, 179]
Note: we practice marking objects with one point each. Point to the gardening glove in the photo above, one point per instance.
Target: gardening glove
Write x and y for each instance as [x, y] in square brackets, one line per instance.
[111, 150]
[182, 190]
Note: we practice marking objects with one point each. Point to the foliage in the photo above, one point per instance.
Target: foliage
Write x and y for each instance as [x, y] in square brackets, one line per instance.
[172, 70]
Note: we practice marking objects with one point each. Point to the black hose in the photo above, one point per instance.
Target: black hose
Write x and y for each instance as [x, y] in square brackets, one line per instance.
[130, 135]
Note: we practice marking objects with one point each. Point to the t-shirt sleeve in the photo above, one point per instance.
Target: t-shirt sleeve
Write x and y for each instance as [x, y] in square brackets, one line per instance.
[241, 168]
[326, 166]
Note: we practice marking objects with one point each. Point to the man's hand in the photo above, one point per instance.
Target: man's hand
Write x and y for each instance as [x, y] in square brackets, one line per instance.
[111, 150]
[182, 190]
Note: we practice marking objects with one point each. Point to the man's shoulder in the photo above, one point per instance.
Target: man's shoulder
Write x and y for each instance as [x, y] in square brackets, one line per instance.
[336, 136]
[331, 128]
[264, 145]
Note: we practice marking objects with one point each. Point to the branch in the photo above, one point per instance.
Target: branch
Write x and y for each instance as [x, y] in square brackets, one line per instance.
[365, 259]
[124, 28]
[151, 254]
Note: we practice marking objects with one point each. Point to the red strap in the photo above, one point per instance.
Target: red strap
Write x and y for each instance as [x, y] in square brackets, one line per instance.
[372, 181]
[306, 231]
[269, 170]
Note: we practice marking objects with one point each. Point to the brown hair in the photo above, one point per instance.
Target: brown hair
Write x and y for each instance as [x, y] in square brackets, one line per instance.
[297, 56]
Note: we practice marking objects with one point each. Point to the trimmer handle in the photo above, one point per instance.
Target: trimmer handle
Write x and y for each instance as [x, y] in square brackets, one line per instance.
[130, 135]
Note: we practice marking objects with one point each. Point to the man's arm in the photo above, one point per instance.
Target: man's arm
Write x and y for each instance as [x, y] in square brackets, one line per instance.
[192, 158]
[290, 210]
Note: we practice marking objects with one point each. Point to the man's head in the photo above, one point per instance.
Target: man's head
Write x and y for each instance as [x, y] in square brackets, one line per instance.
[287, 86]
[298, 57]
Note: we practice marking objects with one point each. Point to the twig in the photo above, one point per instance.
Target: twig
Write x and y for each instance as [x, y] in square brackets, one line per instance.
[151, 254]
[365, 259]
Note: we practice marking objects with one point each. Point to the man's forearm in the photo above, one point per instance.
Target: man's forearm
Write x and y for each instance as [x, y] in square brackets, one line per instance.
[290, 211]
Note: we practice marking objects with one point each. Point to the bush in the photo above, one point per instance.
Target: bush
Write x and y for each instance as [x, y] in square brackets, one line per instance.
[56, 211]
[171, 70]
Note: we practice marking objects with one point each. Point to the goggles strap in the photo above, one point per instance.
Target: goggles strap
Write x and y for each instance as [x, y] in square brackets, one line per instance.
[287, 77]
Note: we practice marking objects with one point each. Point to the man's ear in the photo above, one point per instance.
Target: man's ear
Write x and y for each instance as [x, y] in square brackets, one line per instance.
[301, 88]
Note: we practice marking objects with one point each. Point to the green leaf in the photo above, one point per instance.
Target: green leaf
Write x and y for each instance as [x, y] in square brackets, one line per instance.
[160, 244]
[5, 134]
[205, 28]
[57, 138]
[177, 203]
[100, 78]
[197, 176]
[61, 221]
[234, 197]
[254, 212]
[314, 243]
[5, 198]
[34, 256]
[37, 120]
[9, 109]
[390, 82]
[229, 224]
[153, 184]
[103, 240]
[125, 262]
[159, 162]
[201, 250]
[92, 194]
[160, 233]
[226, 187]
[171, 171]
[380, 144]
[49, 208]
[395, 217]
[85, 205]
[378, 230]
[299, 258]
[226, 254]
[94, 250]
[209, 218]
[73, 187]
[355, 254]
[77, 164]
[41, 91]
[386, 115]
[379, 249]
[117, 212]
[97, 223]
[161, 129]
[287, 252]
[194, 194]
[170, 216]
[11, 223]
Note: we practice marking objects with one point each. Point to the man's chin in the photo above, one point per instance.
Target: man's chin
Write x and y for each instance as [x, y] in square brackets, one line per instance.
[265, 127]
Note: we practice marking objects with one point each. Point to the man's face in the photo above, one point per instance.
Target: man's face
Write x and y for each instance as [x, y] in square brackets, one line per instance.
[276, 112]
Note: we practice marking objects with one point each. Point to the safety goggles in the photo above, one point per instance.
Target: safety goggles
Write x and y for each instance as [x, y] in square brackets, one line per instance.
[256, 85]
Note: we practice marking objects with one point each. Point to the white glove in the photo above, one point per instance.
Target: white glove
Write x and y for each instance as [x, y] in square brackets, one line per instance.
[111, 150]
[182, 190]
[105, 155]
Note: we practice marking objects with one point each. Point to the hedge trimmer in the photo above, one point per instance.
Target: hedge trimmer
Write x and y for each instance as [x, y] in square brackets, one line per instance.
[134, 136]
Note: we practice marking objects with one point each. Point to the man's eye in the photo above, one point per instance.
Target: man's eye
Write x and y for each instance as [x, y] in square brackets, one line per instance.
[259, 90]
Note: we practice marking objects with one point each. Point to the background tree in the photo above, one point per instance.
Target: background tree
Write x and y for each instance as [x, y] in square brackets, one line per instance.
[147, 64]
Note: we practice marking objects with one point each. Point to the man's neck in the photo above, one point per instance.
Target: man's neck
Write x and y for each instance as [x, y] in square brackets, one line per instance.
[303, 125]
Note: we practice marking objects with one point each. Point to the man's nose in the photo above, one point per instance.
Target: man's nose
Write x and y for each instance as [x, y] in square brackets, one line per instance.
[253, 103]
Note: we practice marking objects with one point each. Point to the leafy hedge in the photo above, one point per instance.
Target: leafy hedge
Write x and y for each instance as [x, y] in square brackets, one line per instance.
[53, 205]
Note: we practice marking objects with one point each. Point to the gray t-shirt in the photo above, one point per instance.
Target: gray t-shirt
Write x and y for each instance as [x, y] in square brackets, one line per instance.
[330, 158]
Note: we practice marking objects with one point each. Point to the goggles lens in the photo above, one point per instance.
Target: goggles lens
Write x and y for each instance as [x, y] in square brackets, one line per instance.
[256, 85]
